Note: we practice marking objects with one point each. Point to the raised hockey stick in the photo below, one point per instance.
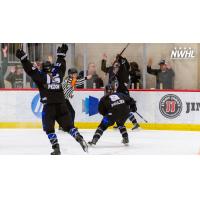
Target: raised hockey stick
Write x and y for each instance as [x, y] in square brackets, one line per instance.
[141, 117]
[122, 52]
[124, 49]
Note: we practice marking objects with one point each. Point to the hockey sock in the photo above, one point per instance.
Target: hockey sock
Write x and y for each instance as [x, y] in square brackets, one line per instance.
[74, 133]
[98, 133]
[132, 118]
[123, 131]
[53, 139]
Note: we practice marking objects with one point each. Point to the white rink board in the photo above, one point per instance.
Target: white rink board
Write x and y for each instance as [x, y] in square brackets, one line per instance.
[15, 106]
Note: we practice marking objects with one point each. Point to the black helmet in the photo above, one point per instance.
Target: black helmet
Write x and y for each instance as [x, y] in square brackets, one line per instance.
[72, 71]
[46, 66]
[109, 89]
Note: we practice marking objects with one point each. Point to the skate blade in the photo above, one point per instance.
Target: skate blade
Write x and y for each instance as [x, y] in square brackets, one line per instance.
[86, 150]
[126, 145]
[91, 144]
[52, 154]
[85, 147]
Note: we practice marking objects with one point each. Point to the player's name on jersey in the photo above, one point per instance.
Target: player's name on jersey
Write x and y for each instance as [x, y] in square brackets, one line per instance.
[121, 101]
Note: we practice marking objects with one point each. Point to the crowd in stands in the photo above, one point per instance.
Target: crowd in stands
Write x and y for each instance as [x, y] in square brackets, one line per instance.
[12, 75]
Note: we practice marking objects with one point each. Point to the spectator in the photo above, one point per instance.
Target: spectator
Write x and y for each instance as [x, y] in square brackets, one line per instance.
[164, 75]
[4, 65]
[4, 58]
[95, 81]
[135, 75]
[119, 70]
[15, 77]
[2, 85]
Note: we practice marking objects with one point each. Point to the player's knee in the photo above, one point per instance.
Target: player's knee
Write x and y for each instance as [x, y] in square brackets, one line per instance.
[67, 127]
[105, 123]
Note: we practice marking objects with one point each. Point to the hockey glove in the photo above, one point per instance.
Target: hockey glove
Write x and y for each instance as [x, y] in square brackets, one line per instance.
[133, 106]
[61, 51]
[21, 54]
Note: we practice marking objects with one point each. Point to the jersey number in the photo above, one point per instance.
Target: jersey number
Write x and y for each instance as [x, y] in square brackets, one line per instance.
[114, 98]
[56, 79]
[55, 83]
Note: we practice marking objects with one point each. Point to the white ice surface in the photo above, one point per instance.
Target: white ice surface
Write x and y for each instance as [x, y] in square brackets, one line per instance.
[34, 141]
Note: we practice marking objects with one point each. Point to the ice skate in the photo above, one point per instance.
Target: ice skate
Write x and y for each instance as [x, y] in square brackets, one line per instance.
[56, 150]
[125, 141]
[93, 142]
[83, 143]
[135, 126]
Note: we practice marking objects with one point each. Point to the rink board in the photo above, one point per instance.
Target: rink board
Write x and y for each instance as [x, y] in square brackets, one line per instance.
[170, 110]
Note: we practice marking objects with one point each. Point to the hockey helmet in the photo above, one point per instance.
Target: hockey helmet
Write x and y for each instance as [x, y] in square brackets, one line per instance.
[72, 71]
[46, 66]
[109, 89]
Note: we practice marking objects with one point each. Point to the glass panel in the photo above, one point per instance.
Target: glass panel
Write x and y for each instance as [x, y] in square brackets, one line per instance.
[173, 66]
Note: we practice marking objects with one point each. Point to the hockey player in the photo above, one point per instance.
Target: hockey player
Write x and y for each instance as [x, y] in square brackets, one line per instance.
[68, 85]
[119, 74]
[115, 107]
[48, 81]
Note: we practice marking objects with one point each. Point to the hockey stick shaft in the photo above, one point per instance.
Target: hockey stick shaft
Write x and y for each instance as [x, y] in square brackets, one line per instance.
[124, 49]
[122, 52]
[142, 117]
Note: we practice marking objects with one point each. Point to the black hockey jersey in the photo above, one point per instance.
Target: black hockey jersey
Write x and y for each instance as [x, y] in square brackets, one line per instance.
[49, 85]
[116, 105]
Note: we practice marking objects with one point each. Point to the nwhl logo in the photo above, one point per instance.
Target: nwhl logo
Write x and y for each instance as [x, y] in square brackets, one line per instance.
[182, 53]
[170, 106]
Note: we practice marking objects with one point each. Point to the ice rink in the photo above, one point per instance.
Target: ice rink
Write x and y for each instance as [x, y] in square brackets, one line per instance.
[34, 142]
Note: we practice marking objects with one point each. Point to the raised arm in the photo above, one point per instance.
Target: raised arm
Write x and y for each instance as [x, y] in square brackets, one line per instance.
[33, 72]
[124, 68]
[103, 64]
[60, 66]
[152, 71]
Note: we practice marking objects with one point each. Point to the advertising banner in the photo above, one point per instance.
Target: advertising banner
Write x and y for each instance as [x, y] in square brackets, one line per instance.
[164, 107]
